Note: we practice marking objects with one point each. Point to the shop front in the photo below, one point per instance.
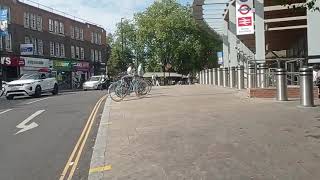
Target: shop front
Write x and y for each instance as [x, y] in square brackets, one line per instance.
[10, 67]
[62, 70]
[81, 72]
[34, 65]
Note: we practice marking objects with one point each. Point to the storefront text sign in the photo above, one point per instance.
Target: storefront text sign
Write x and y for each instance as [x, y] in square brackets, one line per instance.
[12, 61]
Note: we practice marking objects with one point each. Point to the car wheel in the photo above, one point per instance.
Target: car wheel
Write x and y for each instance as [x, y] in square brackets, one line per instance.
[55, 89]
[37, 92]
[100, 87]
[10, 97]
[85, 89]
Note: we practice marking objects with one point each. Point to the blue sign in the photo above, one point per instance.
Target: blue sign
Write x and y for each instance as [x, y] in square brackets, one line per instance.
[3, 22]
[220, 57]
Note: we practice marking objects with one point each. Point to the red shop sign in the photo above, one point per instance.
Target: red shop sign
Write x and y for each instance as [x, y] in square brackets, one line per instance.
[81, 66]
[12, 61]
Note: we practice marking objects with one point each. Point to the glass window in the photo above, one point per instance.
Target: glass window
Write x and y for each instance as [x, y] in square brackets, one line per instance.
[1, 42]
[99, 39]
[92, 55]
[61, 28]
[50, 25]
[100, 56]
[33, 18]
[73, 54]
[39, 23]
[72, 32]
[40, 47]
[56, 26]
[26, 20]
[62, 50]
[35, 45]
[96, 55]
[92, 38]
[77, 52]
[9, 42]
[77, 32]
[57, 51]
[27, 40]
[51, 49]
[82, 53]
[95, 38]
[81, 34]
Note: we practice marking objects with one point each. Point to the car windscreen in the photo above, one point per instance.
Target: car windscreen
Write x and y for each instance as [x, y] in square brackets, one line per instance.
[30, 76]
[95, 78]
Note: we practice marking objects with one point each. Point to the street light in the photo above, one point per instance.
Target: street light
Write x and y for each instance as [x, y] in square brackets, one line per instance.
[122, 47]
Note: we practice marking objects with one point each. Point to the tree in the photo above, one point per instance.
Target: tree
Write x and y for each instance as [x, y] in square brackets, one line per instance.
[309, 4]
[165, 33]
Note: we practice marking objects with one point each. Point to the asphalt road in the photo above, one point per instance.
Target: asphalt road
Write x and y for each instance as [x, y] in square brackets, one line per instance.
[37, 136]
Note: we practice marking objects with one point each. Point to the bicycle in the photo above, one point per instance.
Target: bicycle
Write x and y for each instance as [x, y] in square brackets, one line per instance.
[3, 90]
[125, 86]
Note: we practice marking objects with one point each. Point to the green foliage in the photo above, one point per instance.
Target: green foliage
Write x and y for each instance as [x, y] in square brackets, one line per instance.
[165, 33]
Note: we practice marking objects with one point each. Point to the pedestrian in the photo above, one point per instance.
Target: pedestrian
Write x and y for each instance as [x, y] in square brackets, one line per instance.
[316, 78]
[157, 80]
[153, 77]
[131, 70]
[140, 70]
[189, 79]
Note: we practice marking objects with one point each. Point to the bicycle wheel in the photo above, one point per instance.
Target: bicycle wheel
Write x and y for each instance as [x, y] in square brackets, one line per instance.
[141, 88]
[118, 91]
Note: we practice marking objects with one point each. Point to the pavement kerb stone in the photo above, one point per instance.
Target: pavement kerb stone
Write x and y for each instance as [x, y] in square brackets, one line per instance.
[99, 150]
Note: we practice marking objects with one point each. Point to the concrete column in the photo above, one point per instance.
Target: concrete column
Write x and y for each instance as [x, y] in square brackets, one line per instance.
[210, 77]
[215, 76]
[225, 40]
[232, 37]
[220, 77]
[259, 30]
[232, 78]
[226, 77]
[313, 34]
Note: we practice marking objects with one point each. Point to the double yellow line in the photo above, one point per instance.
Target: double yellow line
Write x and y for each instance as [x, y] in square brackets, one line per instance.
[74, 158]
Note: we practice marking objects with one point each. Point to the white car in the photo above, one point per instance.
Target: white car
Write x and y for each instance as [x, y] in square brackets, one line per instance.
[95, 82]
[32, 85]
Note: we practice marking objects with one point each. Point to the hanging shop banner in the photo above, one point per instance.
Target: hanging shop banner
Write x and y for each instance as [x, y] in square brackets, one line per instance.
[3, 22]
[26, 49]
[220, 57]
[244, 17]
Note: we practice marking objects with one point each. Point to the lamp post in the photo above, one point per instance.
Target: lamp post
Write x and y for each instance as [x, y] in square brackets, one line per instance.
[122, 40]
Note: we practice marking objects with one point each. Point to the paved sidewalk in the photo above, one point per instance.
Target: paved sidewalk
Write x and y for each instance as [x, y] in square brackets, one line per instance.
[202, 132]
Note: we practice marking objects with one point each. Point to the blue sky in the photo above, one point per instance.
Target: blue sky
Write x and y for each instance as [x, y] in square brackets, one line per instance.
[104, 12]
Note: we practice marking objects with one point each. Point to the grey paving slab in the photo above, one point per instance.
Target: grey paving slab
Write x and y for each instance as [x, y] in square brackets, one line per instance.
[203, 132]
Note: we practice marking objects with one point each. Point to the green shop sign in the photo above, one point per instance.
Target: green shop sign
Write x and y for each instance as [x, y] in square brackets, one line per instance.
[62, 65]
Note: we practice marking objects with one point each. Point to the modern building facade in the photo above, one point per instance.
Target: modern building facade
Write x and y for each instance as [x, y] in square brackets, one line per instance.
[282, 33]
[73, 50]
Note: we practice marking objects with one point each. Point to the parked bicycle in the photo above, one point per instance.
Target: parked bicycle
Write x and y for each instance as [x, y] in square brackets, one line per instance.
[126, 85]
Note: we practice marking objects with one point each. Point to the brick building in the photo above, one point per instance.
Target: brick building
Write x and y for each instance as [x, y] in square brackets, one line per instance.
[73, 50]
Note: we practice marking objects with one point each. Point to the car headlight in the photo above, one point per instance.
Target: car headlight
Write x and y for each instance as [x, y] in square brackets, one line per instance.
[28, 84]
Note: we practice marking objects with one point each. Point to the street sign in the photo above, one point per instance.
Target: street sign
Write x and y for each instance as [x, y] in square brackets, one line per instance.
[26, 49]
[244, 17]
[3, 22]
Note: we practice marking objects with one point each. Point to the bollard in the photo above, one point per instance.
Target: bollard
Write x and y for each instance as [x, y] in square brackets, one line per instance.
[215, 76]
[282, 90]
[208, 76]
[205, 77]
[306, 87]
[225, 77]
[220, 77]
[200, 78]
[232, 77]
[258, 76]
[211, 76]
[240, 77]
[251, 76]
[263, 76]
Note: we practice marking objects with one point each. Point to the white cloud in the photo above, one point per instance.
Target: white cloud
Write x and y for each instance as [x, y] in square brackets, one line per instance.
[103, 12]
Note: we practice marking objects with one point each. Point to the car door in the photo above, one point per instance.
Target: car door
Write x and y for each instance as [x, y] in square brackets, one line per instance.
[44, 82]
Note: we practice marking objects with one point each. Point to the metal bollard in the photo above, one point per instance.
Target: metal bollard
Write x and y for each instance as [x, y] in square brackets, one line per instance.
[306, 87]
[220, 77]
[200, 78]
[226, 77]
[263, 76]
[258, 77]
[232, 77]
[208, 76]
[211, 76]
[240, 77]
[215, 76]
[251, 76]
[282, 90]
[205, 76]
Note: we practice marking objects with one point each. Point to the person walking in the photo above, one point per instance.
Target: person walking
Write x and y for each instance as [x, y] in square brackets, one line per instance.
[157, 80]
[316, 78]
